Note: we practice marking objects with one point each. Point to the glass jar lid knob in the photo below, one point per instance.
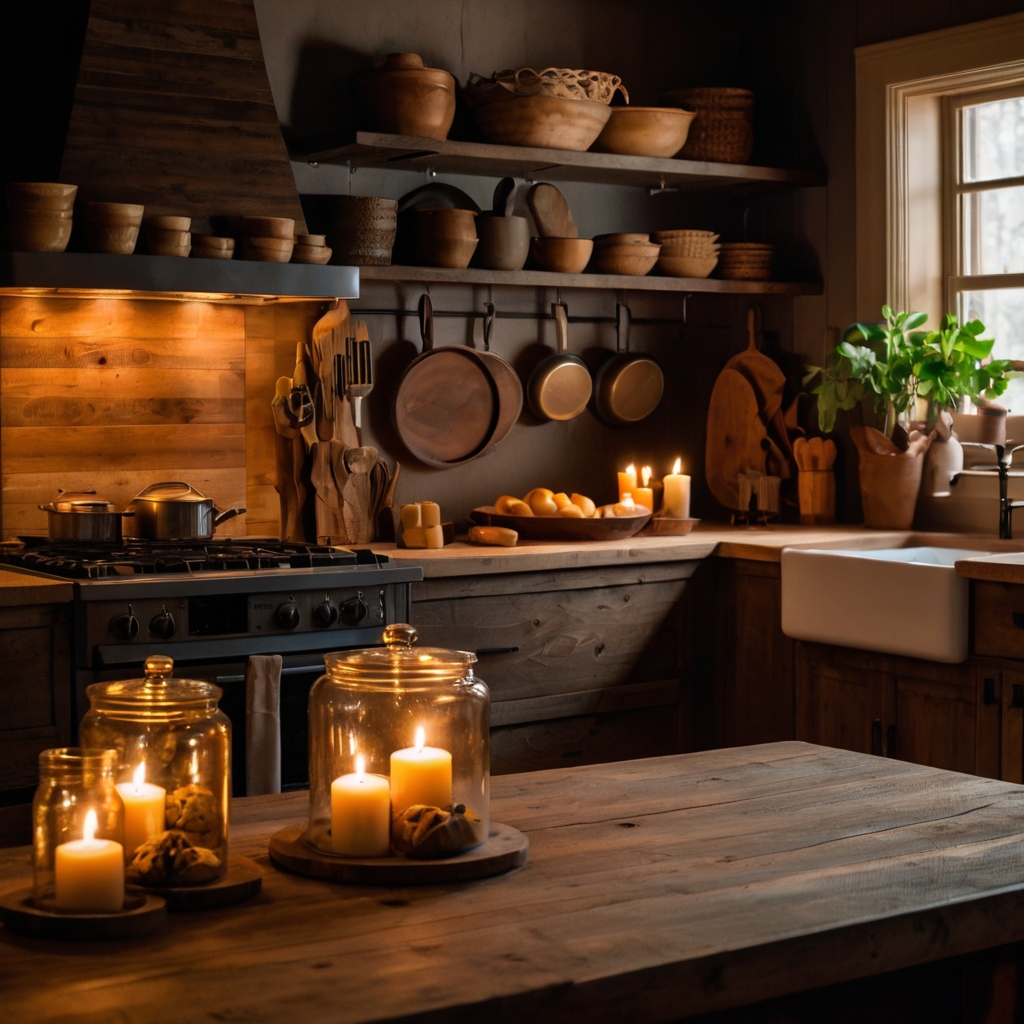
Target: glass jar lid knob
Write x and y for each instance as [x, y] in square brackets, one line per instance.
[158, 667]
[398, 635]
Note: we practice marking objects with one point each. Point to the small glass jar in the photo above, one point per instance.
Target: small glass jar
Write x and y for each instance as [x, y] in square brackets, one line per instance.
[170, 736]
[72, 782]
[416, 719]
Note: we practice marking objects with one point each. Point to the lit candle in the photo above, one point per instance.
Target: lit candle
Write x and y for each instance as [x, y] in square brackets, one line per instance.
[627, 481]
[145, 810]
[361, 814]
[421, 775]
[676, 502]
[645, 495]
[89, 873]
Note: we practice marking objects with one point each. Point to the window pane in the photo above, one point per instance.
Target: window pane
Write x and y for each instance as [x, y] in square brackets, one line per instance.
[1002, 312]
[993, 231]
[993, 140]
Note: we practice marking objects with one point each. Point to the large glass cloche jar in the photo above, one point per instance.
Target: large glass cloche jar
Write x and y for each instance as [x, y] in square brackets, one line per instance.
[399, 751]
[173, 772]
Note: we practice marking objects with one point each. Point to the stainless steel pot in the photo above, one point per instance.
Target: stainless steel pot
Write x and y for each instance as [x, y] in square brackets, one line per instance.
[82, 516]
[177, 511]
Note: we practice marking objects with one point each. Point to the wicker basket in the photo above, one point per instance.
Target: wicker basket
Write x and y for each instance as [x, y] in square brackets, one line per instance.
[724, 127]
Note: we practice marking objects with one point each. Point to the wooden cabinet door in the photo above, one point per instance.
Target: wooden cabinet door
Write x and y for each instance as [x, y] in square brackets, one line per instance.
[936, 712]
[844, 698]
[999, 692]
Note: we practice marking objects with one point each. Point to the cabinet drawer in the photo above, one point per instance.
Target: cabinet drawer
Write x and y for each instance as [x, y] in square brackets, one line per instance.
[999, 619]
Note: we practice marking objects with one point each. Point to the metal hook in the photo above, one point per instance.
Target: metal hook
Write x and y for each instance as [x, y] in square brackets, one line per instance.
[426, 314]
[488, 324]
[622, 321]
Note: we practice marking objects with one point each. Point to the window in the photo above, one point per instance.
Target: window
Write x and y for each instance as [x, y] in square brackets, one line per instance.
[984, 218]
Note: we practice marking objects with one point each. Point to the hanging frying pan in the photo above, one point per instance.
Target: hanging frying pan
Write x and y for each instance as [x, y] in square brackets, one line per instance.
[629, 386]
[560, 387]
[446, 405]
[510, 390]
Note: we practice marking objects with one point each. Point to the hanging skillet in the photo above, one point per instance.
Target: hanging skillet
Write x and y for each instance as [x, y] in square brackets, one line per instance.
[510, 390]
[629, 386]
[560, 387]
[446, 405]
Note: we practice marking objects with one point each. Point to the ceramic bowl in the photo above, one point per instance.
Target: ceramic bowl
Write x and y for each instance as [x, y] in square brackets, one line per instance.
[212, 254]
[504, 242]
[645, 131]
[630, 260]
[548, 122]
[115, 215]
[405, 98]
[318, 254]
[164, 222]
[562, 255]
[40, 195]
[685, 266]
[213, 242]
[269, 227]
[39, 230]
[438, 238]
[318, 241]
[267, 250]
[622, 238]
[167, 241]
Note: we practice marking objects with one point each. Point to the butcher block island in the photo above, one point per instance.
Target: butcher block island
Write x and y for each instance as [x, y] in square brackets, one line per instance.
[657, 889]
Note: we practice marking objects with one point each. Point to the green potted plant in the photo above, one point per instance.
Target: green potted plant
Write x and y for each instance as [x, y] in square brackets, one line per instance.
[895, 364]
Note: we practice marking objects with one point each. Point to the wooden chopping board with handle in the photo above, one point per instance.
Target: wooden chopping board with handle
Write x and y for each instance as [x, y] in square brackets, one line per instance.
[736, 437]
[763, 374]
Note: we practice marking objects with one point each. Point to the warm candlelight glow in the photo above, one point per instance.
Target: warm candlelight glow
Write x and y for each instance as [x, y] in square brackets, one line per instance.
[361, 814]
[360, 767]
[90, 827]
[627, 481]
[139, 777]
[144, 810]
[421, 739]
[89, 872]
[645, 473]
[676, 494]
[421, 775]
[643, 495]
[631, 469]
[677, 468]
[628, 501]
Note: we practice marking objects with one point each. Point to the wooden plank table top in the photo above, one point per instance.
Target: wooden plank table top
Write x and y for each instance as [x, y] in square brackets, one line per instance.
[655, 889]
[19, 588]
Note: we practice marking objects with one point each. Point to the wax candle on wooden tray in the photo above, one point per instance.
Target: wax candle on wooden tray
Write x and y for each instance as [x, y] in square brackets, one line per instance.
[421, 775]
[676, 501]
[645, 495]
[627, 481]
[145, 810]
[89, 873]
[361, 814]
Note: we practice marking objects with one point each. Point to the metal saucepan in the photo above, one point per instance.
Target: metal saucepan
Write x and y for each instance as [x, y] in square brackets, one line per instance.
[510, 390]
[177, 511]
[628, 387]
[560, 387]
[83, 516]
[446, 404]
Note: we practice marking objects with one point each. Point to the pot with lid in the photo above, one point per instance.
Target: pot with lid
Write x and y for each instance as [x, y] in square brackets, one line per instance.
[412, 723]
[174, 510]
[173, 748]
[83, 516]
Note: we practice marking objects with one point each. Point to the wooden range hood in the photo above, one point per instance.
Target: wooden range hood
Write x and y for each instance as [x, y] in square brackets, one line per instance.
[173, 109]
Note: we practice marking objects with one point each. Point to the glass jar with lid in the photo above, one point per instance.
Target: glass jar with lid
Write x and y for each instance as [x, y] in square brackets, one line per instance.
[399, 735]
[173, 748]
[72, 783]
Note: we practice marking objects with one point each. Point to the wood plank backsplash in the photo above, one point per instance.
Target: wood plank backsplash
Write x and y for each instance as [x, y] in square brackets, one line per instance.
[114, 394]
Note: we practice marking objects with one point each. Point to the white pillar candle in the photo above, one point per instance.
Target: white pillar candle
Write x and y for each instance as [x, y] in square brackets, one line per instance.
[676, 500]
[89, 873]
[361, 814]
[145, 810]
[421, 775]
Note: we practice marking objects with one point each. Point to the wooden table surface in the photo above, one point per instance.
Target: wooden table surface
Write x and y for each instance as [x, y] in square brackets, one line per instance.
[655, 889]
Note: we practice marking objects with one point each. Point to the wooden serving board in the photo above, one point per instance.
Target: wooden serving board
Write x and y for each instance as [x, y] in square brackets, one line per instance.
[141, 915]
[243, 880]
[506, 848]
[734, 438]
[557, 528]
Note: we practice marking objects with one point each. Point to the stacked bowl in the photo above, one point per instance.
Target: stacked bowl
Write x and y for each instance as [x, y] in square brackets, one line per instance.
[39, 215]
[213, 247]
[113, 227]
[632, 254]
[311, 249]
[686, 253]
[268, 239]
[746, 261]
[168, 236]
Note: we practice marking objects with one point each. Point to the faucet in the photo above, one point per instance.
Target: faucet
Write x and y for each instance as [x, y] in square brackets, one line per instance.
[1004, 458]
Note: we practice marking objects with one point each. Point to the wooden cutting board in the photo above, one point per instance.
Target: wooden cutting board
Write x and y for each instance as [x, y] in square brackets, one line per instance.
[735, 436]
[764, 375]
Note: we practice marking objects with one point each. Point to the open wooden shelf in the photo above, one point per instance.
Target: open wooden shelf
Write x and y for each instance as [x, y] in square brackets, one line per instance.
[609, 282]
[167, 277]
[404, 153]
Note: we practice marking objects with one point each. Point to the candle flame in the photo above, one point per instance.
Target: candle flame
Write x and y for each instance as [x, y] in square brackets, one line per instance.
[421, 739]
[139, 777]
[631, 469]
[89, 830]
[360, 766]
[646, 474]
[627, 500]
[678, 467]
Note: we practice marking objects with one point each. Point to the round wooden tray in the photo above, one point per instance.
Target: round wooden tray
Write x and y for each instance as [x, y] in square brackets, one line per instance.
[141, 915]
[506, 848]
[243, 880]
[557, 528]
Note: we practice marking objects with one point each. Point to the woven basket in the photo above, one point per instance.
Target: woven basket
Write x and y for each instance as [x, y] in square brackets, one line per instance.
[723, 130]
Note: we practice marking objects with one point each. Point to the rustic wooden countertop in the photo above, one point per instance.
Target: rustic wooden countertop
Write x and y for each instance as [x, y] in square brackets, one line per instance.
[656, 889]
[760, 543]
[1007, 567]
[18, 588]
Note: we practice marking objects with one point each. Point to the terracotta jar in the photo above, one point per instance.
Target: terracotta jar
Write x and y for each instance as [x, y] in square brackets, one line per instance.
[405, 98]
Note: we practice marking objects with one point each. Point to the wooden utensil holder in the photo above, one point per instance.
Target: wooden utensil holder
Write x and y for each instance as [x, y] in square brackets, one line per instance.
[817, 490]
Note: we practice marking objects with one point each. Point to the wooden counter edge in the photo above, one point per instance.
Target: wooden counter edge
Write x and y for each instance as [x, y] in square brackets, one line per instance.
[18, 588]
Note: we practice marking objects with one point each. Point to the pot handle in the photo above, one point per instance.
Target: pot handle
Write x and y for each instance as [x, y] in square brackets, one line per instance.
[623, 317]
[489, 315]
[228, 513]
[561, 315]
[426, 322]
[189, 489]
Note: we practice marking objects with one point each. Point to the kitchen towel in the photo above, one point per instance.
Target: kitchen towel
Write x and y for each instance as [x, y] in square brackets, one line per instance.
[263, 724]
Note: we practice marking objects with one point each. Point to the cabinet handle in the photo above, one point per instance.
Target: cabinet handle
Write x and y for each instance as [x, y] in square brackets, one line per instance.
[890, 741]
[488, 651]
[1018, 696]
[876, 738]
[1018, 619]
[989, 693]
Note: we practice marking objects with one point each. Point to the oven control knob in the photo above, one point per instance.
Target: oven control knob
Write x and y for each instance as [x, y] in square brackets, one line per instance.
[353, 612]
[125, 627]
[162, 626]
[287, 615]
[325, 614]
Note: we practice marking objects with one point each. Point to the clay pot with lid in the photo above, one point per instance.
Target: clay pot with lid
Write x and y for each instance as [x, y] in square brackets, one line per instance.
[405, 98]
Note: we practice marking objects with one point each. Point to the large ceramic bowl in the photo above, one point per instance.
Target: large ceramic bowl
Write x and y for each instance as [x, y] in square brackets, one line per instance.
[405, 98]
[546, 122]
[645, 131]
